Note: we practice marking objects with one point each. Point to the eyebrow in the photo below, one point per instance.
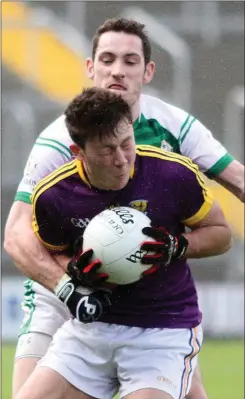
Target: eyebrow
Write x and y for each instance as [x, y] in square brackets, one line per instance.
[132, 55]
[111, 54]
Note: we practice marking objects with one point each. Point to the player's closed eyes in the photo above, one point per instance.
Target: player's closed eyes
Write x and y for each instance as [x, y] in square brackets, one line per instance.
[108, 62]
[105, 153]
[109, 152]
[131, 62]
[126, 146]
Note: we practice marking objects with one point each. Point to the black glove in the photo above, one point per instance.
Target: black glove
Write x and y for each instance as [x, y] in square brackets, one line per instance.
[86, 306]
[166, 248]
[83, 270]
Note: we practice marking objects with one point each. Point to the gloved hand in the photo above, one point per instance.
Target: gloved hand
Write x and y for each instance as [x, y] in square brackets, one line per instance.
[86, 306]
[166, 248]
[83, 270]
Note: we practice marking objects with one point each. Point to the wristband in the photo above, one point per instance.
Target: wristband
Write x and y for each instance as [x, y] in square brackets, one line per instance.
[61, 283]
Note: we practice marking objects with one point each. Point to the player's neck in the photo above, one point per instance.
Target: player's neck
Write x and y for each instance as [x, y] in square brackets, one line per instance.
[135, 110]
[94, 184]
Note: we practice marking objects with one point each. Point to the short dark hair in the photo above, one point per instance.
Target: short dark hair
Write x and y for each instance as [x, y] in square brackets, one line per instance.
[127, 26]
[95, 113]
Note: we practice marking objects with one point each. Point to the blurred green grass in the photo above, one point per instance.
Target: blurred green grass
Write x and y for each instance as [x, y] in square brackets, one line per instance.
[222, 365]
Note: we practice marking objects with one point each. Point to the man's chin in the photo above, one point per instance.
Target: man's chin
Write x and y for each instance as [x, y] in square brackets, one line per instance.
[122, 93]
[125, 95]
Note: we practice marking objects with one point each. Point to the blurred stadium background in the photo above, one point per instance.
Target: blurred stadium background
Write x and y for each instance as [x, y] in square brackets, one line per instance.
[198, 48]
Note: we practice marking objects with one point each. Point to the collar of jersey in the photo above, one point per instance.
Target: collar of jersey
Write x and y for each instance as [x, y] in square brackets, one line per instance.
[82, 174]
[137, 122]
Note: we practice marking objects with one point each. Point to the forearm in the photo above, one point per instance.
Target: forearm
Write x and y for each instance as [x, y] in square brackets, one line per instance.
[208, 241]
[236, 189]
[29, 255]
[232, 178]
[33, 260]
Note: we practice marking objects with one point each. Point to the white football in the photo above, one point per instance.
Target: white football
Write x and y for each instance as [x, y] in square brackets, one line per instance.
[115, 235]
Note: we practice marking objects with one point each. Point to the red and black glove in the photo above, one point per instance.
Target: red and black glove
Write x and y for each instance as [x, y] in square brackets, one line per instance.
[84, 304]
[83, 269]
[82, 288]
[165, 249]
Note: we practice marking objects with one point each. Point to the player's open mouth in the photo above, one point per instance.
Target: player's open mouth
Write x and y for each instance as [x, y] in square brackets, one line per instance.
[117, 87]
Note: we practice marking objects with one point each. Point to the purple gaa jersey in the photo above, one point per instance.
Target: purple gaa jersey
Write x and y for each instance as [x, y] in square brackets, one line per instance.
[164, 185]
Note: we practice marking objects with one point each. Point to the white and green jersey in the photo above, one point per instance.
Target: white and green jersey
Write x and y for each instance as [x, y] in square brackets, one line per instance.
[159, 124]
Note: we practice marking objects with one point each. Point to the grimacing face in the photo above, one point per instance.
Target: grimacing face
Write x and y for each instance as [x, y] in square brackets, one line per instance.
[109, 162]
[119, 65]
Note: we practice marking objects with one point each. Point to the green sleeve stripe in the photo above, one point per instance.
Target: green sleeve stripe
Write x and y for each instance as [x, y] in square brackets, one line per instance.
[190, 125]
[54, 148]
[23, 196]
[219, 166]
[56, 142]
[185, 123]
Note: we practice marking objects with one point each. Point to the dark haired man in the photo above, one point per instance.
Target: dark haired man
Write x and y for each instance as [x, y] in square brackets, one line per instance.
[121, 62]
[146, 343]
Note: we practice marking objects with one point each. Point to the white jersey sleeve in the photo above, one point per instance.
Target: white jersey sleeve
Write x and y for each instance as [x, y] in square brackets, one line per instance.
[51, 150]
[183, 133]
[198, 143]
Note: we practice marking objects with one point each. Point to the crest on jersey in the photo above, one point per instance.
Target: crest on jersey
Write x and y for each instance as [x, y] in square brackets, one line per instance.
[140, 205]
[166, 146]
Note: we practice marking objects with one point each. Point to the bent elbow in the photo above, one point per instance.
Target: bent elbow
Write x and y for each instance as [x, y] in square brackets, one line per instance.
[14, 239]
[9, 241]
[17, 229]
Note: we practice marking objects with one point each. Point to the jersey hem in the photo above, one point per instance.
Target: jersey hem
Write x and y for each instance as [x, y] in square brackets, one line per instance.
[219, 166]
[23, 197]
[155, 323]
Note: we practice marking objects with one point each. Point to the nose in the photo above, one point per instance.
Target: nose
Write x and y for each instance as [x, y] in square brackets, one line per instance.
[120, 158]
[118, 70]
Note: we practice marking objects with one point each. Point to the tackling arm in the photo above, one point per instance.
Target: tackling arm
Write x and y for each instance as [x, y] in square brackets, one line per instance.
[212, 158]
[232, 178]
[31, 257]
[27, 252]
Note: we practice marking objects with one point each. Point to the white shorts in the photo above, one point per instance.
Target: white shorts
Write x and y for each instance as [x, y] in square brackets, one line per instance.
[44, 314]
[100, 359]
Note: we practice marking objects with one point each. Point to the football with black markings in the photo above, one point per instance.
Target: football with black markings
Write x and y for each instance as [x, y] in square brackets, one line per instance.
[115, 235]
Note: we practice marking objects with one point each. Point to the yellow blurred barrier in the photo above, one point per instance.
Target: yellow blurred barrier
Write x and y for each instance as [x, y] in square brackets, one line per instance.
[38, 56]
[232, 207]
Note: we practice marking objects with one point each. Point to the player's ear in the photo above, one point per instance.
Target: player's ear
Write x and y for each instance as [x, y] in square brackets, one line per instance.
[76, 151]
[90, 68]
[149, 72]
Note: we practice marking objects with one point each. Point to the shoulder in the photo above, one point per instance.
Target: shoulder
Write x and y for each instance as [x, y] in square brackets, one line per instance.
[162, 156]
[56, 133]
[169, 116]
[52, 146]
[167, 163]
[58, 126]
